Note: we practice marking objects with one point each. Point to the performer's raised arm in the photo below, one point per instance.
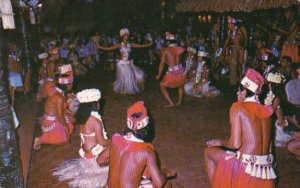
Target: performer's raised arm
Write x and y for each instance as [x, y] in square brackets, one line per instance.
[141, 45]
[114, 47]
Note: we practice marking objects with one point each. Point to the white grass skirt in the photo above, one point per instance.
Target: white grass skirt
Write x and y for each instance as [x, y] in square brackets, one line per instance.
[129, 78]
[82, 173]
[201, 89]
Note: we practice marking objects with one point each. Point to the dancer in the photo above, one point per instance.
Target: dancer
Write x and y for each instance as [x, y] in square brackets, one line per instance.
[15, 70]
[234, 50]
[293, 145]
[84, 172]
[277, 99]
[129, 78]
[56, 123]
[50, 80]
[132, 156]
[176, 75]
[42, 76]
[292, 87]
[190, 61]
[79, 68]
[54, 50]
[251, 164]
[199, 84]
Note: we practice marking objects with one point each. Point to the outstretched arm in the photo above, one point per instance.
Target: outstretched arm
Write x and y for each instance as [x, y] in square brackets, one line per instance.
[114, 47]
[133, 45]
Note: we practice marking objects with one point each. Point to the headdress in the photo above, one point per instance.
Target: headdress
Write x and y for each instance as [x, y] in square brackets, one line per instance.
[275, 77]
[64, 69]
[124, 31]
[253, 81]
[148, 37]
[66, 78]
[53, 42]
[54, 51]
[137, 117]
[88, 95]
[170, 36]
[43, 55]
[202, 53]
[190, 49]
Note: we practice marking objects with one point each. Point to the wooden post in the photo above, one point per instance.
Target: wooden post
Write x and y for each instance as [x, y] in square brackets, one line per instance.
[28, 73]
[223, 35]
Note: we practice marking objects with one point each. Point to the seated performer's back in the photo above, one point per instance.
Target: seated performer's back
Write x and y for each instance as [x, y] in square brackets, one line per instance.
[255, 129]
[131, 157]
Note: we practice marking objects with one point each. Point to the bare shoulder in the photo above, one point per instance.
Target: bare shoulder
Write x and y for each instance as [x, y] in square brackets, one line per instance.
[97, 122]
[236, 107]
[150, 152]
[164, 50]
[58, 97]
[236, 104]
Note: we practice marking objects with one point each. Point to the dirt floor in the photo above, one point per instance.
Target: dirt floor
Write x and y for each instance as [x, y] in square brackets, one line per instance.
[181, 133]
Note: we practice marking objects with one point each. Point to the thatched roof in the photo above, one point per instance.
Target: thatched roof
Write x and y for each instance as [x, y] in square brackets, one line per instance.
[232, 5]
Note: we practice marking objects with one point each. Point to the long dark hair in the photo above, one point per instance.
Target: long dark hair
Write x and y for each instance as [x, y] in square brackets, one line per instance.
[84, 112]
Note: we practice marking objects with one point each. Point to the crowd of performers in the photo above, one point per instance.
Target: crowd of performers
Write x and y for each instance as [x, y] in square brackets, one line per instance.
[267, 99]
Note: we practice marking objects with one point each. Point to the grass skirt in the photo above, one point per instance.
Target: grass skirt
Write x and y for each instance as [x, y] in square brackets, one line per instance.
[201, 89]
[129, 79]
[82, 173]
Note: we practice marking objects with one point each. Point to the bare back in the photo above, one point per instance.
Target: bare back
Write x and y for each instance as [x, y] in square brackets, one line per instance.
[94, 127]
[128, 161]
[254, 125]
[171, 55]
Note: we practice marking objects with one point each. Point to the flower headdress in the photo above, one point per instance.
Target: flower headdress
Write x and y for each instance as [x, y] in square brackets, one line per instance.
[88, 95]
[276, 78]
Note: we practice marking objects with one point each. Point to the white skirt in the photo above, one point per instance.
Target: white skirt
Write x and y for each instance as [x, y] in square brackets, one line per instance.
[82, 173]
[281, 137]
[129, 78]
[201, 89]
[15, 79]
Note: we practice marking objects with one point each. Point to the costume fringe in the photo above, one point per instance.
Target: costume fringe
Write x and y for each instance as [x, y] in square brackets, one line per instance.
[130, 79]
[82, 173]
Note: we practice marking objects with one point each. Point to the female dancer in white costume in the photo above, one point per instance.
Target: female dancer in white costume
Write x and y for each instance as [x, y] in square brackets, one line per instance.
[84, 172]
[129, 78]
[199, 84]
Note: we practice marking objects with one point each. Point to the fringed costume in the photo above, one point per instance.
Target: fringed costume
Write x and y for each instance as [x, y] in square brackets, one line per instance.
[84, 172]
[129, 78]
[199, 85]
